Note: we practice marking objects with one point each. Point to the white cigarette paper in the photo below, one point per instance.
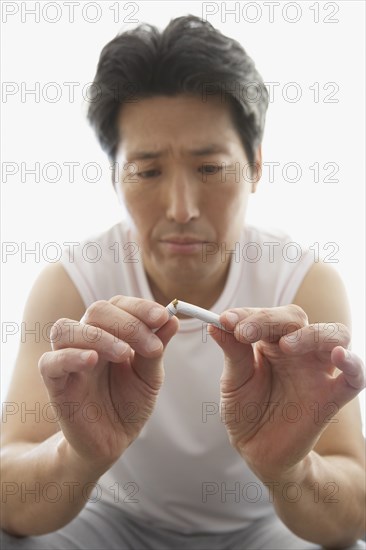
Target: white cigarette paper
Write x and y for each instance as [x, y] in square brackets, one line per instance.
[177, 306]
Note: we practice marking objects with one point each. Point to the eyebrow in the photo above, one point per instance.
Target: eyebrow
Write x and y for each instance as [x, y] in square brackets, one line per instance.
[208, 149]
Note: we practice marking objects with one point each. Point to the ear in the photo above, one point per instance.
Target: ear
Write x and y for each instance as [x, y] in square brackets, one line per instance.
[258, 169]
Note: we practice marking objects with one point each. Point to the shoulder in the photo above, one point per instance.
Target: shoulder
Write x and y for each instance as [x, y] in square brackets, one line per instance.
[54, 295]
[322, 295]
[98, 265]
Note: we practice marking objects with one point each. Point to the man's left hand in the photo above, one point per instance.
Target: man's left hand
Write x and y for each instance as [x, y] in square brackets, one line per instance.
[280, 386]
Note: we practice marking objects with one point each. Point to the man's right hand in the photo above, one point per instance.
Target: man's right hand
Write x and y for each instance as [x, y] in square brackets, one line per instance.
[104, 375]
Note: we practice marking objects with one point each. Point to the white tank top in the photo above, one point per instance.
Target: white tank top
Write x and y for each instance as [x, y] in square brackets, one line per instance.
[181, 473]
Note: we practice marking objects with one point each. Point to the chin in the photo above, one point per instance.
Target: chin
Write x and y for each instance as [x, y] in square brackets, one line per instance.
[187, 269]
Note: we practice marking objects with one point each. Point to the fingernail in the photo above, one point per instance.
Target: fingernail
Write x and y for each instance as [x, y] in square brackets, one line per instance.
[153, 343]
[155, 313]
[232, 318]
[119, 347]
[84, 355]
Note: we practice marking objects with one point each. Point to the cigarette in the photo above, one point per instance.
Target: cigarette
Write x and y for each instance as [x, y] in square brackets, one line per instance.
[177, 306]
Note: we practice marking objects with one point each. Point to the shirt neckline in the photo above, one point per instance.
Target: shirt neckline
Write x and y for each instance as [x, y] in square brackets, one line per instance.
[224, 301]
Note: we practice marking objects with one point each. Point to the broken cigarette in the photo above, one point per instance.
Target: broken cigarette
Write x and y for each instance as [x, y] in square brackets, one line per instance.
[177, 306]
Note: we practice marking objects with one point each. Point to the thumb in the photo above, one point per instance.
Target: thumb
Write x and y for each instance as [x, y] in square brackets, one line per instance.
[239, 359]
[150, 369]
[168, 330]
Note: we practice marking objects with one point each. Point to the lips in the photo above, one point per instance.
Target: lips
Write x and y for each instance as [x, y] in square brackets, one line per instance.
[182, 240]
[182, 245]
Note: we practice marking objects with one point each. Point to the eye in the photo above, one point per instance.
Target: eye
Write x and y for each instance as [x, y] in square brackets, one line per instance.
[209, 169]
[147, 174]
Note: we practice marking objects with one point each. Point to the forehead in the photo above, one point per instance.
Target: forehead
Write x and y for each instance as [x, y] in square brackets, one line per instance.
[184, 123]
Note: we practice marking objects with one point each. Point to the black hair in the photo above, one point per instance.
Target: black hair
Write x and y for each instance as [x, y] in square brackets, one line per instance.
[189, 56]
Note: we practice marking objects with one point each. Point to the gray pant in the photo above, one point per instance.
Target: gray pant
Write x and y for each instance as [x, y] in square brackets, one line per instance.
[103, 526]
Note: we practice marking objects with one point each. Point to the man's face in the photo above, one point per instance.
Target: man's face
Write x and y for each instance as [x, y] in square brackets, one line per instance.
[186, 217]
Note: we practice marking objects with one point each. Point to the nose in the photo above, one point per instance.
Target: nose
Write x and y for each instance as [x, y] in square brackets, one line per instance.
[182, 198]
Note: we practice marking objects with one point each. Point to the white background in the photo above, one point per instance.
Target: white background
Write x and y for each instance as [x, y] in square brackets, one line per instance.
[304, 132]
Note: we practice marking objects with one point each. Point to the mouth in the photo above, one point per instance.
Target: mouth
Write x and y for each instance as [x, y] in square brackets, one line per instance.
[183, 245]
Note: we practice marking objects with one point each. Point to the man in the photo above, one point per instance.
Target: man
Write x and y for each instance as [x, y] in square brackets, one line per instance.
[167, 433]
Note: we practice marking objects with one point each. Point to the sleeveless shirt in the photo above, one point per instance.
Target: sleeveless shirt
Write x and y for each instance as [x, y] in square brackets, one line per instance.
[181, 472]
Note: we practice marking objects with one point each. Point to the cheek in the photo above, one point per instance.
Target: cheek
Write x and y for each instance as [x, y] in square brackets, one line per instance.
[140, 210]
[228, 203]
[135, 201]
[227, 213]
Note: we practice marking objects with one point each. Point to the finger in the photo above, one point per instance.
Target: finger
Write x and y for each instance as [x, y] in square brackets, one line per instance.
[352, 367]
[67, 333]
[152, 314]
[56, 366]
[318, 337]
[150, 369]
[131, 320]
[167, 331]
[239, 359]
[268, 324]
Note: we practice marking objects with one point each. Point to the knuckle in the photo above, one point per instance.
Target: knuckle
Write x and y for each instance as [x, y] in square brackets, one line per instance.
[94, 311]
[299, 313]
[62, 332]
[115, 300]
[266, 316]
[43, 363]
[58, 329]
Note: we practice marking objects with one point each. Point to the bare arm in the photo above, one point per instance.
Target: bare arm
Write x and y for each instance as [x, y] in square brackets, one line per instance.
[44, 485]
[331, 509]
[34, 451]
